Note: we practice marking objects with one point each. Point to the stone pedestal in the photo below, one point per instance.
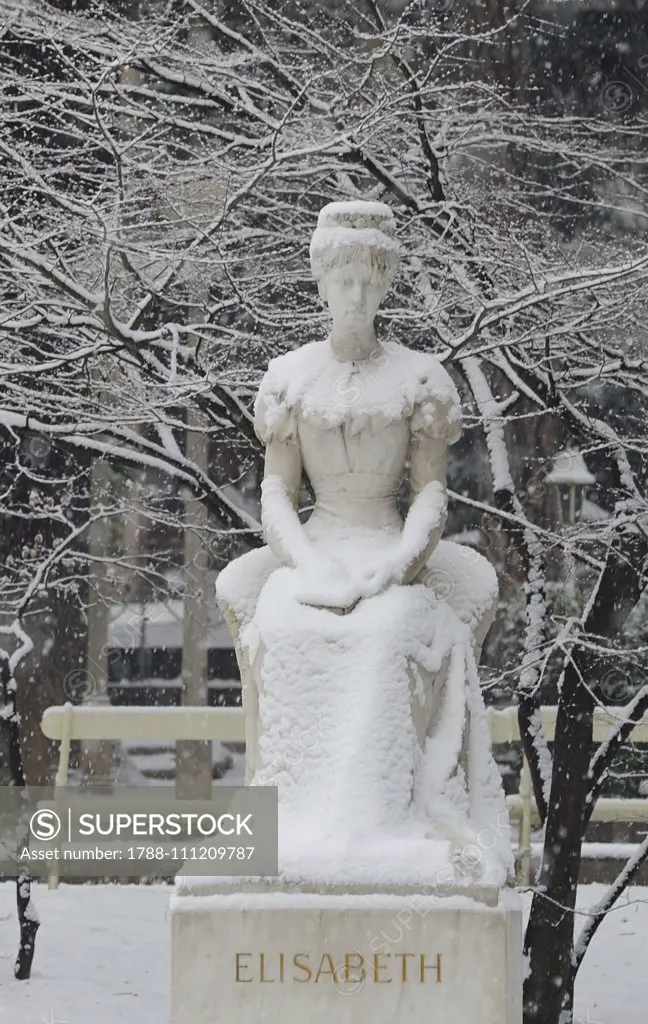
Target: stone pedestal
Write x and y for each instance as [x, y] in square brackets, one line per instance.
[258, 956]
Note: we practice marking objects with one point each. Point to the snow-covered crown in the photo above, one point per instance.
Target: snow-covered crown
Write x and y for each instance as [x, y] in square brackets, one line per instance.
[355, 231]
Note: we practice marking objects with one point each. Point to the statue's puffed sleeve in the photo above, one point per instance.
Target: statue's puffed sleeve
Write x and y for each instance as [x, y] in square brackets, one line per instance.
[437, 413]
[276, 427]
[274, 419]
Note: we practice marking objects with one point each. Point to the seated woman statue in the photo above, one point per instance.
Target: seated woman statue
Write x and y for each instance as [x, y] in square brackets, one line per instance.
[357, 632]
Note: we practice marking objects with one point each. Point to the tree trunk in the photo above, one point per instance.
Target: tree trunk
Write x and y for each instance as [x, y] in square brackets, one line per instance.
[548, 991]
[549, 941]
[194, 764]
[194, 760]
[97, 755]
[27, 916]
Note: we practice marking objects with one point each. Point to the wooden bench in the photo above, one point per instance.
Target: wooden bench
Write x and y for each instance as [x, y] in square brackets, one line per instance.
[85, 722]
[504, 728]
[68, 722]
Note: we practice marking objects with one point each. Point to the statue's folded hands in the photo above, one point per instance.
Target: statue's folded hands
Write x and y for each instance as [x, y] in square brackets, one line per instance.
[422, 531]
[324, 580]
[330, 590]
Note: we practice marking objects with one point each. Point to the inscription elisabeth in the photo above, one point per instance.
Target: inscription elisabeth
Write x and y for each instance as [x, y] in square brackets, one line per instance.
[302, 968]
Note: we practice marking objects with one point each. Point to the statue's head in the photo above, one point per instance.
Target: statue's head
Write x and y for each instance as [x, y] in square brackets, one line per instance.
[354, 256]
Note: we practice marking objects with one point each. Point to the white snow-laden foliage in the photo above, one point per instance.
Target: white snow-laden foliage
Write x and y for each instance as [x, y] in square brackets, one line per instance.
[163, 166]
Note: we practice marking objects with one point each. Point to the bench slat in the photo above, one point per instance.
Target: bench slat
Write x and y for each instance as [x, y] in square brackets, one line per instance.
[504, 728]
[114, 723]
[128, 723]
[607, 808]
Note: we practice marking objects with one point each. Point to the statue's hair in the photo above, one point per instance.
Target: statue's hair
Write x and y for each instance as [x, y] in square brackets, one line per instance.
[347, 232]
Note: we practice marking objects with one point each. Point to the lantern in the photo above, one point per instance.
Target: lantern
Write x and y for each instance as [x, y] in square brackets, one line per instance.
[569, 478]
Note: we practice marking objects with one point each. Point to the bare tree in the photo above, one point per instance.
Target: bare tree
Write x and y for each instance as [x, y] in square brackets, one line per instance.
[144, 159]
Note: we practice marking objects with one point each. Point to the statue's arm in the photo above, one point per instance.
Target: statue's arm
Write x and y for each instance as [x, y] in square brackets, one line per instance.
[427, 514]
[325, 582]
[282, 528]
[425, 521]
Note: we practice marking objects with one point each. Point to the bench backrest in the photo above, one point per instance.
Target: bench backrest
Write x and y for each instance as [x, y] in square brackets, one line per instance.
[141, 723]
[87, 722]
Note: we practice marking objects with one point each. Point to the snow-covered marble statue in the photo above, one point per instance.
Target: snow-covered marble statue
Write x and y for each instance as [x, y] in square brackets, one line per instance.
[358, 633]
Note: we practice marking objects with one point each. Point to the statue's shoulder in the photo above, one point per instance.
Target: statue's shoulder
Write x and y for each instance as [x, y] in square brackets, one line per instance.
[434, 408]
[282, 383]
[431, 375]
[308, 383]
[283, 370]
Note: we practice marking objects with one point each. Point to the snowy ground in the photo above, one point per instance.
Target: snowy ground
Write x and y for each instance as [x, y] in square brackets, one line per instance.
[103, 958]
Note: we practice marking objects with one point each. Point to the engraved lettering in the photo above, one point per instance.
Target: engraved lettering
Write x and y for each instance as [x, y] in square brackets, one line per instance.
[262, 969]
[239, 965]
[331, 971]
[359, 966]
[436, 966]
[348, 967]
[378, 967]
[404, 957]
[302, 967]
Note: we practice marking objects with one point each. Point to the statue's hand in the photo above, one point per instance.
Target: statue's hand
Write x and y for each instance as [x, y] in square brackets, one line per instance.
[327, 584]
[376, 579]
[397, 567]
[393, 568]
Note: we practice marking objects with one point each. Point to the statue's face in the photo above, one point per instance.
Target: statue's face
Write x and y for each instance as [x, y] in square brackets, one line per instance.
[353, 292]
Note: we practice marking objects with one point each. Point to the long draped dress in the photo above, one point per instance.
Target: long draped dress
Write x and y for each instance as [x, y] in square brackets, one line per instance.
[371, 723]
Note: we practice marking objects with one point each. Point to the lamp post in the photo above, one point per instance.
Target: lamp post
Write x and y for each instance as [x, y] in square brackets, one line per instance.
[569, 478]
